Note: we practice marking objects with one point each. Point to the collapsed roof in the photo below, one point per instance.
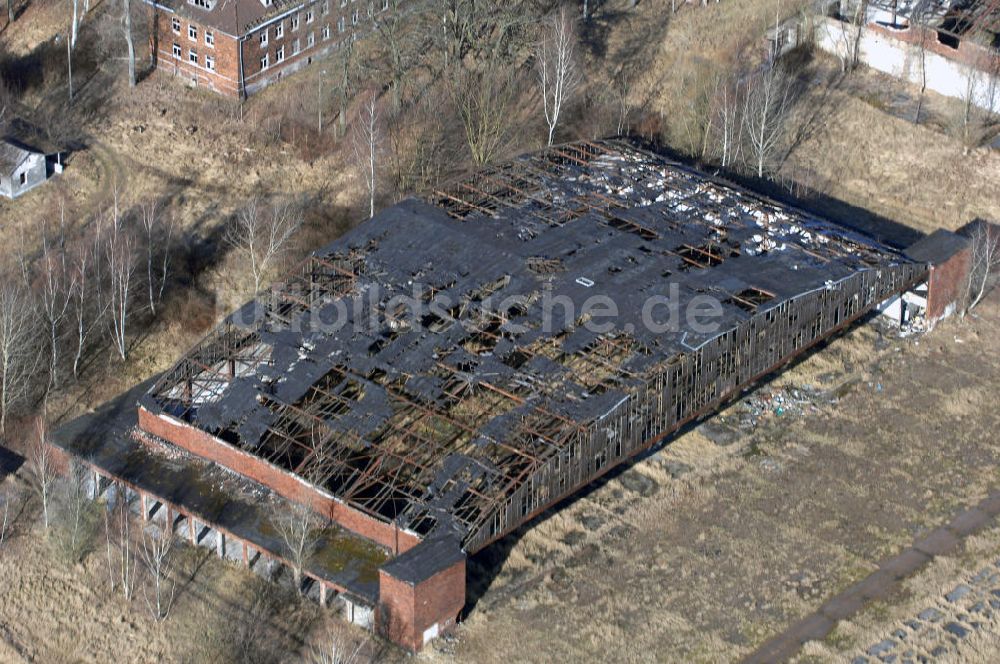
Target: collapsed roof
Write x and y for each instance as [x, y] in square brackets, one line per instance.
[427, 367]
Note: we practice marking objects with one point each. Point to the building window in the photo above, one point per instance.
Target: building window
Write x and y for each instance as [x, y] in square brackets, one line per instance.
[341, 24]
[193, 56]
[385, 5]
[343, 3]
[175, 25]
[264, 62]
[23, 177]
[279, 30]
[326, 7]
[210, 38]
[177, 50]
[354, 18]
[326, 31]
[296, 46]
[310, 39]
[279, 54]
[201, 3]
[295, 22]
[263, 37]
[192, 33]
[210, 62]
[310, 15]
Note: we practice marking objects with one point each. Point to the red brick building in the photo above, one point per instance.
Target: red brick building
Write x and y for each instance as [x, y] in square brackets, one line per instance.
[237, 47]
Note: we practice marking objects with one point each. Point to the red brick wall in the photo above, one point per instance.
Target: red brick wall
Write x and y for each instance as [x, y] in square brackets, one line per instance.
[405, 611]
[225, 78]
[947, 284]
[283, 482]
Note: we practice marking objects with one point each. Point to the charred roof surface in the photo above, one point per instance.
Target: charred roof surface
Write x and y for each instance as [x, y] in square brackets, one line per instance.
[425, 365]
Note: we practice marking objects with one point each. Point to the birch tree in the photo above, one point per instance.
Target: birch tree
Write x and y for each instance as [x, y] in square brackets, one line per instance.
[260, 233]
[76, 515]
[75, 26]
[368, 146]
[765, 110]
[42, 467]
[985, 248]
[54, 288]
[121, 265]
[159, 235]
[18, 347]
[122, 562]
[86, 303]
[129, 41]
[156, 556]
[555, 62]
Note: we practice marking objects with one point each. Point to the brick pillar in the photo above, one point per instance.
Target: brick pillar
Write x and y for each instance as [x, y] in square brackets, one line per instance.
[421, 593]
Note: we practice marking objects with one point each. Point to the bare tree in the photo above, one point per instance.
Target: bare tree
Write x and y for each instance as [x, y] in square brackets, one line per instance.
[368, 146]
[156, 549]
[121, 265]
[54, 289]
[484, 99]
[851, 33]
[297, 526]
[984, 243]
[765, 110]
[75, 25]
[18, 347]
[338, 648]
[84, 303]
[397, 44]
[159, 235]
[75, 515]
[42, 467]
[729, 125]
[260, 233]
[129, 42]
[555, 61]
[122, 563]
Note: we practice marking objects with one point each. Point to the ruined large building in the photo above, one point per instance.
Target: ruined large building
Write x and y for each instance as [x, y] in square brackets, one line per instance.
[437, 377]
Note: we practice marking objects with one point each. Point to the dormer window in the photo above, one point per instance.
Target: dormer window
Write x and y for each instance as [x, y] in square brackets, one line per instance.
[203, 4]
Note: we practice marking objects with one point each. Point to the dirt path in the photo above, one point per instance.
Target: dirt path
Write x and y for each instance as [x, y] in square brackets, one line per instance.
[881, 584]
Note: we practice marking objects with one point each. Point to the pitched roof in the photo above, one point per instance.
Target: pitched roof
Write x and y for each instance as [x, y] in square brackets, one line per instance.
[12, 153]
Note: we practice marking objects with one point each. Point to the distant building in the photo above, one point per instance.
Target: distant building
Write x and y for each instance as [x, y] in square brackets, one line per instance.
[21, 168]
[238, 47]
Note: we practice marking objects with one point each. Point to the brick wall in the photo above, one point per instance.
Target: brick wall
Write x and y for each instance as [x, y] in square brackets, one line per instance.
[407, 611]
[225, 52]
[283, 482]
[947, 284]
